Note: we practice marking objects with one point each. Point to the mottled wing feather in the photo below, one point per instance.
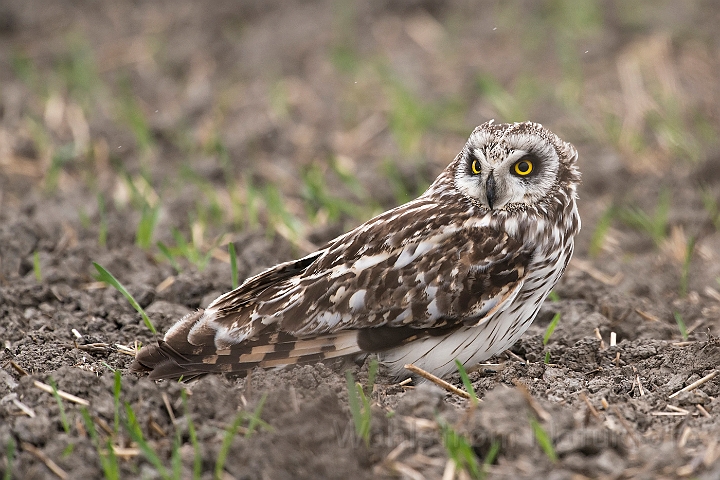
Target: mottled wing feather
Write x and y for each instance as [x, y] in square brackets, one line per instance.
[452, 275]
[232, 302]
[164, 361]
[175, 358]
[369, 290]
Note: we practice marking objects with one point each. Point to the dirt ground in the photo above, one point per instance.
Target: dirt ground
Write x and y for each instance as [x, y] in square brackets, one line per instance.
[145, 136]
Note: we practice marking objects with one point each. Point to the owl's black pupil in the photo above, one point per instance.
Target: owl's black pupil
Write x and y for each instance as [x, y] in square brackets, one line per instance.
[523, 167]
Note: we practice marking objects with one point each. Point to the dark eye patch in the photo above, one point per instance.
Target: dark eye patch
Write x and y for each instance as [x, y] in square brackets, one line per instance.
[470, 161]
[528, 166]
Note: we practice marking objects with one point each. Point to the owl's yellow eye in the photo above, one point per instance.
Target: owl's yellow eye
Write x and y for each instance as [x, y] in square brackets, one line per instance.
[475, 167]
[523, 167]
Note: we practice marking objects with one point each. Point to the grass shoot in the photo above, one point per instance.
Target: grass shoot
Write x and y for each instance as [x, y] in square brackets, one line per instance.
[492, 453]
[255, 419]
[107, 277]
[103, 224]
[655, 225]
[146, 226]
[233, 266]
[192, 433]
[318, 201]
[9, 457]
[601, 228]
[117, 385]
[225, 447]
[133, 428]
[551, 328]
[460, 450]
[360, 405]
[685, 272]
[681, 325]
[108, 460]
[543, 440]
[165, 252]
[189, 250]
[36, 266]
[466, 382]
[409, 117]
[61, 407]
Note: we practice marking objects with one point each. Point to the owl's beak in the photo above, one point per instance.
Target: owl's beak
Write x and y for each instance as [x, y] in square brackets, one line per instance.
[490, 190]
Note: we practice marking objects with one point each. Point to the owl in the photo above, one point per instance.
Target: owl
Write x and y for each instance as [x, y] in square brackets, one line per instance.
[458, 273]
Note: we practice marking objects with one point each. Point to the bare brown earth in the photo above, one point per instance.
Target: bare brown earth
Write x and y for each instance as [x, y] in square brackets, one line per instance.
[276, 126]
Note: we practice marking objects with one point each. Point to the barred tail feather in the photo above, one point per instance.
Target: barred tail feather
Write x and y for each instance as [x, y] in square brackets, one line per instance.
[175, 357]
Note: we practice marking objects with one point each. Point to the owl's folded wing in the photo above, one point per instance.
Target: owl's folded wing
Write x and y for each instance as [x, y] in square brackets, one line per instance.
[329, 304]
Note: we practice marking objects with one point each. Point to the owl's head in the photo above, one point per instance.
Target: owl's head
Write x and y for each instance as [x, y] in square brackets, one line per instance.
[512, 166]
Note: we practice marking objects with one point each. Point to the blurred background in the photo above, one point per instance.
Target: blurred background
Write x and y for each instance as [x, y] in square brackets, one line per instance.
[147, 135]
[178, 125]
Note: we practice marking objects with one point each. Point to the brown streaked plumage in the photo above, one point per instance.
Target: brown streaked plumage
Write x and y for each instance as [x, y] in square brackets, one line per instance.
[458, 273]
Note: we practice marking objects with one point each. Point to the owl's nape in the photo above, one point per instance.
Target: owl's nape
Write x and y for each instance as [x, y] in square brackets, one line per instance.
[458, 273]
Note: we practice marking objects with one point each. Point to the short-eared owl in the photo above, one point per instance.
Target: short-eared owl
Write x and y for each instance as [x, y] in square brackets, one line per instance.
[458, 273]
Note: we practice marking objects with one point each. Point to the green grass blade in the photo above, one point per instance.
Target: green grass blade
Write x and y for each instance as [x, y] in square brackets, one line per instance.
[146, 226]
[543, 440]
[372, 373]
[116, 399]
[492, 453]
[89, 425]
[179, 239]
[685, 273]
[360, 403]
[135, 432]
[225, 447]
[681, 325]
[365, 416]
[63, 417]
[354, 401]
[551, 328]
[68, 450]
[251, 207]
[176, 457]
[108, 462]
[9, 456]
[108, 278]
[466, 382]
[197, 458]
[655, 225]
[255, 419]
[112, 459]
[601, 229]
[36, 266]
[107, 365]
[103, 227]
[459, 450]
[233, 265]
[165, 251]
